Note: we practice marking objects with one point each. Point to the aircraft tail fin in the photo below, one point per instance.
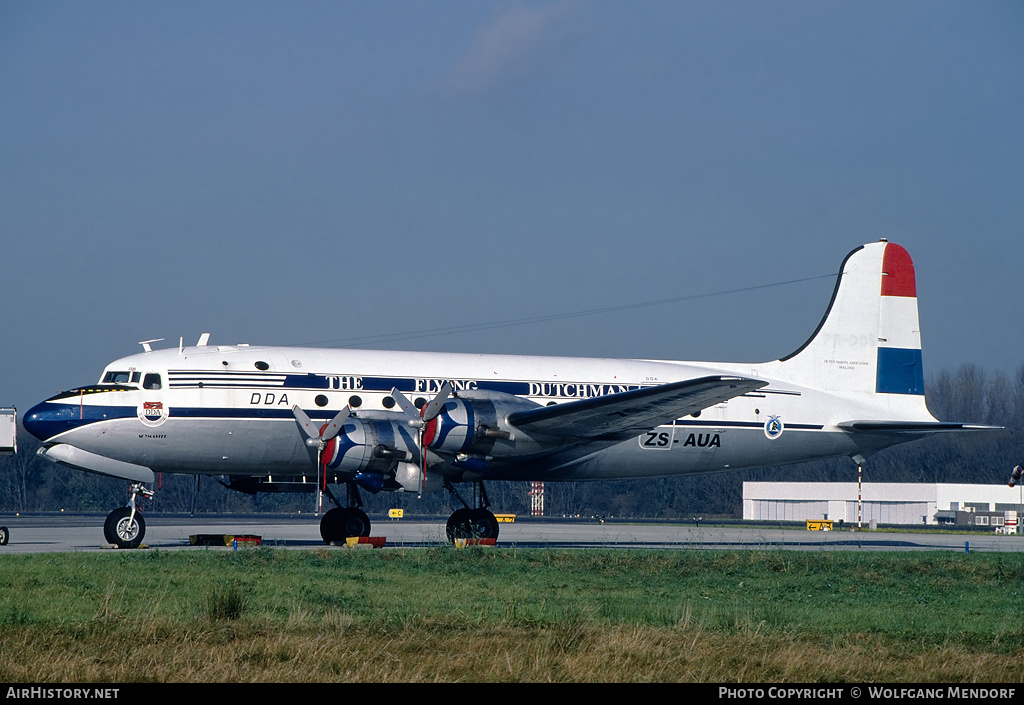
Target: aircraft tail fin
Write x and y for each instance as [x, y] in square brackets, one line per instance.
[869, 339]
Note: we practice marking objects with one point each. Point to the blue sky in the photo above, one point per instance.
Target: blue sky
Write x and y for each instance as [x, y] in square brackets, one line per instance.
[320, 172]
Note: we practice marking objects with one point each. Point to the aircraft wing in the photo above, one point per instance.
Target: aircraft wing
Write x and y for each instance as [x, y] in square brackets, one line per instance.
[620, 416]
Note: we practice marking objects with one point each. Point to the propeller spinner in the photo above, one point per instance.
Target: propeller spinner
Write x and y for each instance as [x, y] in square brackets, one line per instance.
[316, 437]
[319, 438]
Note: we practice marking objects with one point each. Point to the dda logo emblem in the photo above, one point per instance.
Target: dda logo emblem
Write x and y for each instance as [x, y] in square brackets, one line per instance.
[152, 413]
[773, 427]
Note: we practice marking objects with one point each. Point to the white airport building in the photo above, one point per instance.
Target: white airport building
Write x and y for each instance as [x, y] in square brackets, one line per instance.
[881, 502]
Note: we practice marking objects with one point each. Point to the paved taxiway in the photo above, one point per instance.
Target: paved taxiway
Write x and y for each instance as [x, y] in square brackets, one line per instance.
[82, 533]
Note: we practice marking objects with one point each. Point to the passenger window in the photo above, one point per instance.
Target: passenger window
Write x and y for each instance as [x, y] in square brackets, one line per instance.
[152, 381]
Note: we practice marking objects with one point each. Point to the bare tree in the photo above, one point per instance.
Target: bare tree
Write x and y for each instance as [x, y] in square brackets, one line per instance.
[18, 472]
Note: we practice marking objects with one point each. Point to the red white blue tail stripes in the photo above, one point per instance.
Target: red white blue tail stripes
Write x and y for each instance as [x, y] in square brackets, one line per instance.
[899, 367]
[869, 339]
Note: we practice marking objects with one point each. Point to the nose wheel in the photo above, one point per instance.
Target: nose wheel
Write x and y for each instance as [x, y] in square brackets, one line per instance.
[125, 527]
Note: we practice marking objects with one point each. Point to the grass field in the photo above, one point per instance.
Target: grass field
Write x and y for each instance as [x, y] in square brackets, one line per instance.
[510, 614]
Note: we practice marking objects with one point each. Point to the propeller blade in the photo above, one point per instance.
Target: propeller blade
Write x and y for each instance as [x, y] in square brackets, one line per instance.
[430, 411]
[407, 406]
[336, 424]
[436, 405]
[311, 429]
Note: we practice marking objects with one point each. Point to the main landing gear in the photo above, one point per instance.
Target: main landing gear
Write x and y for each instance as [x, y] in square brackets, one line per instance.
[340, 523]
[125, 527]
[343, 522]
[472, 523]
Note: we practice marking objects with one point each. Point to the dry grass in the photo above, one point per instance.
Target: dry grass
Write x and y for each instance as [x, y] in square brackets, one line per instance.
[335, 649]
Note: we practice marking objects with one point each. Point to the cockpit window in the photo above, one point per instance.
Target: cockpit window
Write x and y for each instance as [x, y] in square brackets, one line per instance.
[116, 377]
[152, 381]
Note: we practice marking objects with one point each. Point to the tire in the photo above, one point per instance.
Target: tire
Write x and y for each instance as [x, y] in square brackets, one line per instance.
[357, 523]
[340, 523]
[122, 532]
[483, 524]
[331, 525]
[5, 535]
[458, 525]
[472, 524]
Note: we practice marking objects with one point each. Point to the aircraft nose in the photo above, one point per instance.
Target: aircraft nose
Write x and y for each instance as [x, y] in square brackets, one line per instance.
[46, 420]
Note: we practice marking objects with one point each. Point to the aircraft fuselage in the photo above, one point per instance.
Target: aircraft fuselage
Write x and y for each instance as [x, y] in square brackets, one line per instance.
[216, 412]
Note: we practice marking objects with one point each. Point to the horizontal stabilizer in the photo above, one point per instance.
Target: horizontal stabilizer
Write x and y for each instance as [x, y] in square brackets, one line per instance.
[619, 416]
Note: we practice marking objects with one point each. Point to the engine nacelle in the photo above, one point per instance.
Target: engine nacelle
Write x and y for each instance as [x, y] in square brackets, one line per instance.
[373, 443]
[469, 434]
[412, 479]
[474, 424]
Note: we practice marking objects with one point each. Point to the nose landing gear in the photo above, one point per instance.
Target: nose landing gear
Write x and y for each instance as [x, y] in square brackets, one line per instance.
[125, 527]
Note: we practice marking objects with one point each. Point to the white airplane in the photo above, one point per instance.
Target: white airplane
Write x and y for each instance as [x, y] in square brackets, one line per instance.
[291, 419]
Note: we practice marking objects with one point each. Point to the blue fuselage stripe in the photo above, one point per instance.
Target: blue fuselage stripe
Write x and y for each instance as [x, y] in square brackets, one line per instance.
[65, 417]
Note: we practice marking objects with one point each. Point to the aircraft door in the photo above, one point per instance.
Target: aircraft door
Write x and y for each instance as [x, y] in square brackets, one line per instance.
[152, 409]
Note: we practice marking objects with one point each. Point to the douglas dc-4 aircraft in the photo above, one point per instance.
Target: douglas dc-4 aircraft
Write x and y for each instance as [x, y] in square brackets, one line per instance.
[294, 419]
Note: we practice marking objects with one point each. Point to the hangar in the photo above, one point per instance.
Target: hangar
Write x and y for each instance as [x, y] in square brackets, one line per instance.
[881, 502]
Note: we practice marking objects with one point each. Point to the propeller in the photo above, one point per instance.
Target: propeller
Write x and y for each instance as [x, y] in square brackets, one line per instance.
[419, 418]
[319, 438]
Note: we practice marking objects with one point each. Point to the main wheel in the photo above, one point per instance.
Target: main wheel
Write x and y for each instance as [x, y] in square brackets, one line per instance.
[340, 523]
[471, 524]
[5, 535]
[331, 525]
[483, 524]
[458, 525]
[122, 530]
[357, 523]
